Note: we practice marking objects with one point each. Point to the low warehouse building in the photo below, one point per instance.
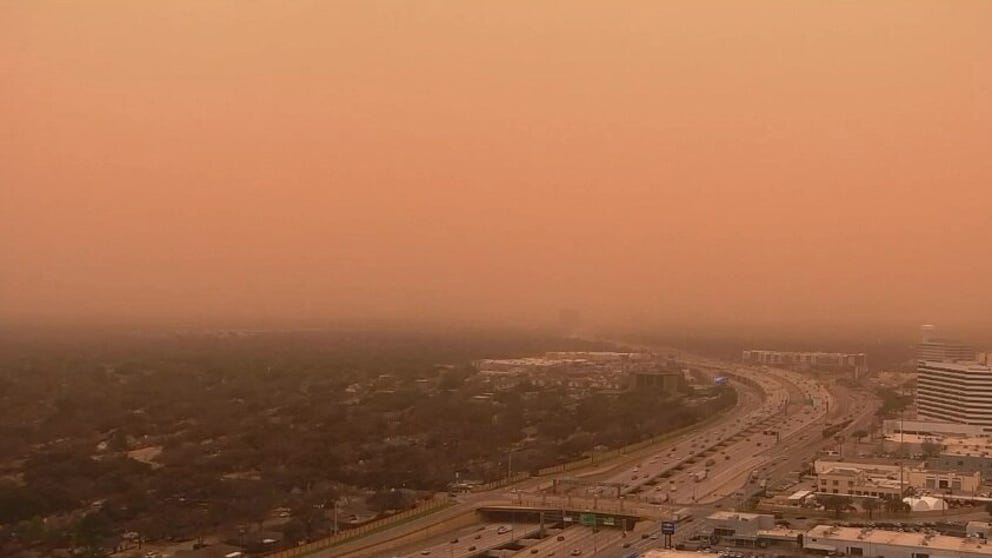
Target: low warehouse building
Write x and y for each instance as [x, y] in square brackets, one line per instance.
[853, 541]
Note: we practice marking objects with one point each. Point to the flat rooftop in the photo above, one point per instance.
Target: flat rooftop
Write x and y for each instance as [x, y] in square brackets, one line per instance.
[854, 535]
[967, 446]
[735, 516]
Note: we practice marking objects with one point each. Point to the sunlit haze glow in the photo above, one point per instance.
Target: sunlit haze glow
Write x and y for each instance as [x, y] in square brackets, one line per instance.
[726, 164]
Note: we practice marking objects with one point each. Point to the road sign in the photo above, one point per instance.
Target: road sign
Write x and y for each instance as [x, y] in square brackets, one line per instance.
[668, 528]
[587, 519]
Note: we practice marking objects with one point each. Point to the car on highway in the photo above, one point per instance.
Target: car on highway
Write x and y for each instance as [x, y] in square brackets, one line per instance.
[575, 552]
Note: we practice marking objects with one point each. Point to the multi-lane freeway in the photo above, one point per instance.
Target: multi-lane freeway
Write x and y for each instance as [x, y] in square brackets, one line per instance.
[778, 413]
[713, 463]
[471, 541]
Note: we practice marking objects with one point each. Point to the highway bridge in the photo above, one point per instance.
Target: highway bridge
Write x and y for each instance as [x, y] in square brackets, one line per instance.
[552, 516]
[778, 410]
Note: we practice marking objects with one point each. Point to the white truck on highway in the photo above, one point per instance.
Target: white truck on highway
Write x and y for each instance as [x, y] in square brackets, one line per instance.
[700, 475]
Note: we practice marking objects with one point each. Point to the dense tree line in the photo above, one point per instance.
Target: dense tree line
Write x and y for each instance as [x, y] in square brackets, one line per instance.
[247, 423]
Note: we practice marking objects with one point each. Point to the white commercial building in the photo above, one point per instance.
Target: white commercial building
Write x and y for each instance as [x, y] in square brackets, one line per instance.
[858, 362]
[955, 392]
[888, 480]
[853, 541]
[934, 349]
[944, 350]
[740, 525]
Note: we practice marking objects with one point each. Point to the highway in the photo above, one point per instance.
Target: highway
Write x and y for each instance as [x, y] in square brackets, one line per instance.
[471, 541]
[774, 428]
[709, 465]
[576, 541]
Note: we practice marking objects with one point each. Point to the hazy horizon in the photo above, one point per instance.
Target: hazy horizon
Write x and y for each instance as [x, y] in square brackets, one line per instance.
[725, 167]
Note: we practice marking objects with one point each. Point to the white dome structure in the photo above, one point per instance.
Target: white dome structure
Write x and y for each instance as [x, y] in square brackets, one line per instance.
[925, 503]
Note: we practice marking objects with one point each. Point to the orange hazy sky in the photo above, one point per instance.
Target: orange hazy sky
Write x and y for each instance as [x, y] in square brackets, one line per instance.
[787, 164]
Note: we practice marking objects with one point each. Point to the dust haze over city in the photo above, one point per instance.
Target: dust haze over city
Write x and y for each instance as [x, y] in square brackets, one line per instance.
[382, 278]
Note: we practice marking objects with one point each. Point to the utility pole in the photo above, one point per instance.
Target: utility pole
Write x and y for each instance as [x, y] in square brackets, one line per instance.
[901, 487]
[335, 517]
[902, 432]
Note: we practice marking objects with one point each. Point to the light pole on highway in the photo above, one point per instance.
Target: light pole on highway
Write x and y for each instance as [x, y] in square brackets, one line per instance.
[335, 517]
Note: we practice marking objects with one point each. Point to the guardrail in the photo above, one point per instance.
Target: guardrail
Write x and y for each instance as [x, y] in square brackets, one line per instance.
[500, 483]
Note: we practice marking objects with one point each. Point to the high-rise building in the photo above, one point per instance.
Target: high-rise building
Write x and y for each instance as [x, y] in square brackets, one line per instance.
[955, 392]
[934, 349]
[858, 362]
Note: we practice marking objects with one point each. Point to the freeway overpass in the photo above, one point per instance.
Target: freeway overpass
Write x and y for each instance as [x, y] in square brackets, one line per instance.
[729, 447]
[547, 516]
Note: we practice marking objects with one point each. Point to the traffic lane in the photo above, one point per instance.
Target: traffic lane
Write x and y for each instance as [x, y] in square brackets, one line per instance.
[468, 541]
[583, 539]
[811, 443]
[554, 544]
[710, 457]
[688, 490]
[745, 407]
[727, 482]
[689, 446]
[804, 446]
[648, 539]
[678, 450]
[743, 458]
[602, 540]
[618, 475]
[636, 477]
